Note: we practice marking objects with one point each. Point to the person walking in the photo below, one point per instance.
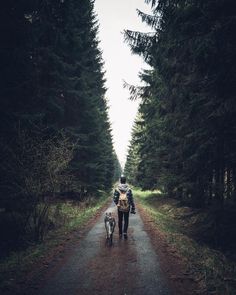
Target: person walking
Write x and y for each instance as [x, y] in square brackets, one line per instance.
[123, 198]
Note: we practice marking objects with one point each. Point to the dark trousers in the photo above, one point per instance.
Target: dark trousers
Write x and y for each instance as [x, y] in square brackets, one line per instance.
[121, 216]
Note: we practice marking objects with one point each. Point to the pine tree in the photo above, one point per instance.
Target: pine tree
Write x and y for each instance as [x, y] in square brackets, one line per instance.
[188, 110]
[54, 116]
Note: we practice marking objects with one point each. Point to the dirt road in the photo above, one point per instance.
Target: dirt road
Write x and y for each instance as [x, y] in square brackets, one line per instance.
[128, 267]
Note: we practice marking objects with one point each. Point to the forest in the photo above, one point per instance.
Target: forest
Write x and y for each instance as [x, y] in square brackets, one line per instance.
[55, 134]
[184, 137]
[59, 164]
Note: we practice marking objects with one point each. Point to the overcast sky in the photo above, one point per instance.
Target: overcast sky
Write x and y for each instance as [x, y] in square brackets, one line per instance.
[114, 17]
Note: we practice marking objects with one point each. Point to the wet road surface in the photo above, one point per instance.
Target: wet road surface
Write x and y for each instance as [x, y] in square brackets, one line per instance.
[129, 267]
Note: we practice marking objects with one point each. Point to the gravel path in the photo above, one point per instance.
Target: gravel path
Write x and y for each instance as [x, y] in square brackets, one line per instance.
[128, 267]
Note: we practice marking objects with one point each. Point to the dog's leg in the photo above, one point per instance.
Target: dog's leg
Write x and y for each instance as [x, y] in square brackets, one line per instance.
[110, 228]
[110, 233]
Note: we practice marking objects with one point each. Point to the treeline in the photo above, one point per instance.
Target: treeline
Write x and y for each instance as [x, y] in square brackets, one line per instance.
[184, 138]
[55, 133]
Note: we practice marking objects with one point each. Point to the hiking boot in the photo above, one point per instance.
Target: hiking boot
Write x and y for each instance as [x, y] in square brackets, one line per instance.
[125, 236]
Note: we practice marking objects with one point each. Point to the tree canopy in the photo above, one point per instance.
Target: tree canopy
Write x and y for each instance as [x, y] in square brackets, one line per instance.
[55, 132]
[186, 130]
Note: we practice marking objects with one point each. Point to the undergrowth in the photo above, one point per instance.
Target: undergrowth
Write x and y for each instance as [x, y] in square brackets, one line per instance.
[65, 217]
[211, 268]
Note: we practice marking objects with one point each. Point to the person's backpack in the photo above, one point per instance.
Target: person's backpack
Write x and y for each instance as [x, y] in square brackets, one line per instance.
[123, 204]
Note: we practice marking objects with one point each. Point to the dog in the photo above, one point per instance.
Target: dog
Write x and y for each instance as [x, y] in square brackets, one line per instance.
[110, 224]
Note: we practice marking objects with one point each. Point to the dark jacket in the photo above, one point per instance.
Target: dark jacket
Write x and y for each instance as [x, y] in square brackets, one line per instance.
[124, 188]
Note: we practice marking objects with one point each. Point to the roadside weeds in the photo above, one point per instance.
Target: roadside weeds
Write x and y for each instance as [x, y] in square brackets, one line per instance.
[209, 269]
[17, 270]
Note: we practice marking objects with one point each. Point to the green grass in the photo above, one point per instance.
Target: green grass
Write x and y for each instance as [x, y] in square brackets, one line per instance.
[211, 268]
[68, 216]
[151, 200]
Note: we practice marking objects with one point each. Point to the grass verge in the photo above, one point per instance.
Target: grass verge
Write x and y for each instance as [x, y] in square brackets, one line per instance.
[215, 273]
[68, 217]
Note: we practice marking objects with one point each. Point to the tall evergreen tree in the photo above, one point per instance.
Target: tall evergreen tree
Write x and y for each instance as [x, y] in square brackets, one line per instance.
[54, 117]
[189, 108]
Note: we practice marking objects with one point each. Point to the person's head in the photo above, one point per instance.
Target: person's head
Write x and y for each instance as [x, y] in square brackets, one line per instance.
[122, 179]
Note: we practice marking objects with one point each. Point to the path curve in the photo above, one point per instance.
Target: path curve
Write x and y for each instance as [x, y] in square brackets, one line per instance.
[129, 267]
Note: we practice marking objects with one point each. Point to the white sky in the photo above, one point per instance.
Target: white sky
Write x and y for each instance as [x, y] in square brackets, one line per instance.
[114, 17]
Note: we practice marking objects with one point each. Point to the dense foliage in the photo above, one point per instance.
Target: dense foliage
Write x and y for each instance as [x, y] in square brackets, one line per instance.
[55, 132]
[184, 140]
